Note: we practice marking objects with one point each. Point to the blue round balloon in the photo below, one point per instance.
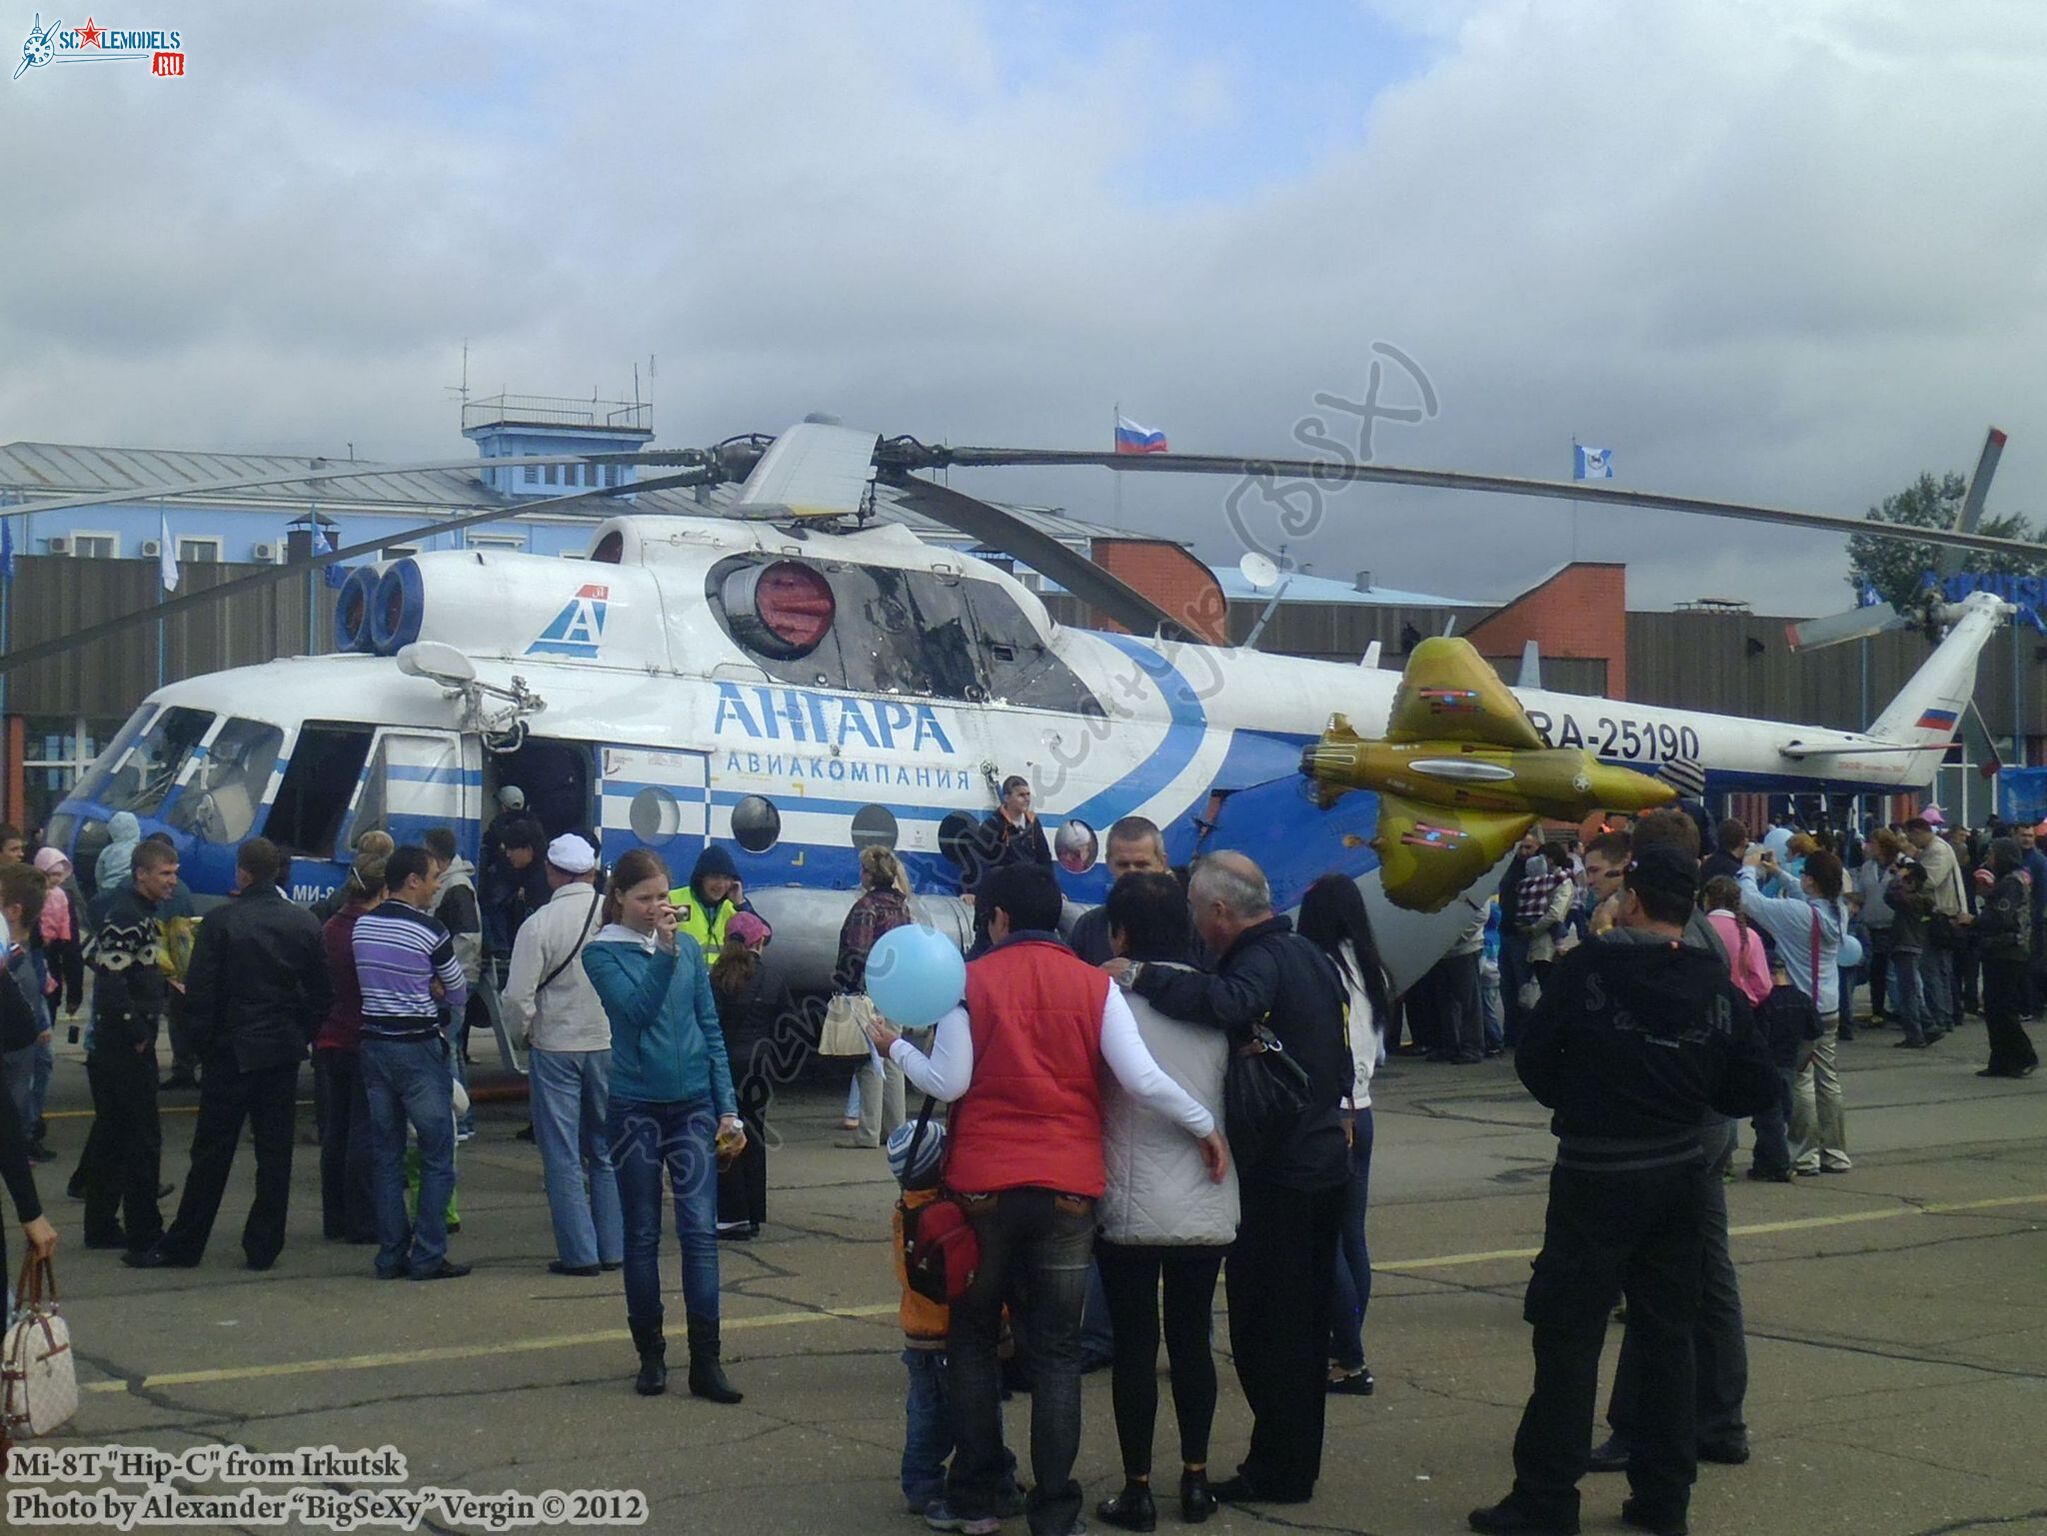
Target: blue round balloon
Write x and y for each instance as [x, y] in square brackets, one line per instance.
[915, 976]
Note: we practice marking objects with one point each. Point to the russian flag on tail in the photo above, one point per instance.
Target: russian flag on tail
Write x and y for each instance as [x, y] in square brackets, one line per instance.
[1131, 438]
[1937, 720]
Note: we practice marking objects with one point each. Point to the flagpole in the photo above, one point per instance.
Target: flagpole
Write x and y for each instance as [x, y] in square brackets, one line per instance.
[163, 529]
[1115, 426]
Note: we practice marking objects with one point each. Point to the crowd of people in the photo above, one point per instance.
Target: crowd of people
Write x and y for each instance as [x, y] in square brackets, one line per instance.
[1176, 1088]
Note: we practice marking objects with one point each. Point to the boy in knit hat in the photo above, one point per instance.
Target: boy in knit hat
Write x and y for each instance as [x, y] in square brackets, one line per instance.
[918, 1162]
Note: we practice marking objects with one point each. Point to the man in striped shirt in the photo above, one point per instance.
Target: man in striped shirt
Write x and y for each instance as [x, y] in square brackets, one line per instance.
[406, 963]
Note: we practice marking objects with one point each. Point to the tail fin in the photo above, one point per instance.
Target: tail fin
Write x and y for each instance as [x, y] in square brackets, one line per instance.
[1929, 708]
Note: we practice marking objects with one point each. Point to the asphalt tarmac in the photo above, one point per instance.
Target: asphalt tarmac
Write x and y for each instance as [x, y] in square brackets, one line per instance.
[1897, 1325]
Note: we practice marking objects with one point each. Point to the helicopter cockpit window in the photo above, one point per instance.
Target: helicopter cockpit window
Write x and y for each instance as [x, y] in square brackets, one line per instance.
[923, 633]
[221, 802]
[326, 762]
[143, 782]
[102, 769]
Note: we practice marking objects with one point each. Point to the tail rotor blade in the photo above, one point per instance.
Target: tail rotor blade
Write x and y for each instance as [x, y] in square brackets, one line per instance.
[1839, 628]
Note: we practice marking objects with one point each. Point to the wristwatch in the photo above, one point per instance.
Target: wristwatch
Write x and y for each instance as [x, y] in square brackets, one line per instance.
[1129, 977]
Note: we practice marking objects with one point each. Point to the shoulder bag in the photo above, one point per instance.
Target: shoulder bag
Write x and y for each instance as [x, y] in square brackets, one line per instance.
[845, 1025]
[36, 1364]
[1265, 1093]
[941, 1250]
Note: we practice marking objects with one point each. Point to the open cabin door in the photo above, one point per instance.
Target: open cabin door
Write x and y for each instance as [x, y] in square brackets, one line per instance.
[415, 779]
[658, 799]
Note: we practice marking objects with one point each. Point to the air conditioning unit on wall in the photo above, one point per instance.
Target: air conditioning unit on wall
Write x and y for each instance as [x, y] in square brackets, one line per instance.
[151, 549]
[263, 554]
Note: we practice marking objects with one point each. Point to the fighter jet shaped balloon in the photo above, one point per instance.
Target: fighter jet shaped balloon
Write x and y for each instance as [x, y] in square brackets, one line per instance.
[1462, 774]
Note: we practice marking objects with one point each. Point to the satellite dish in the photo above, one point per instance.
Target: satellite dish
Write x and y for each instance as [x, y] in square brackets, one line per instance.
[436, 662]
[1258, 570]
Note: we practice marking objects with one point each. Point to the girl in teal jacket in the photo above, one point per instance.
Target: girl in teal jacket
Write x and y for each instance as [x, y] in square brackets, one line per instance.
[672, 1108]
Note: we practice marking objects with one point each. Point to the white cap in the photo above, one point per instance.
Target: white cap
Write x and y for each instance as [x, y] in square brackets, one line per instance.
[512, 798]
[572, 855]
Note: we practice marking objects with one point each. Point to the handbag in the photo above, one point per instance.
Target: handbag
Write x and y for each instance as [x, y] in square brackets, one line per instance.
[845, 1025]
[36, 1364]
[1265, 1093]
[941, 1249]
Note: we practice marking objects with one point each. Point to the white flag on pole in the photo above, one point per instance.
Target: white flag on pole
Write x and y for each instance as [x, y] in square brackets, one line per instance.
[166, 552]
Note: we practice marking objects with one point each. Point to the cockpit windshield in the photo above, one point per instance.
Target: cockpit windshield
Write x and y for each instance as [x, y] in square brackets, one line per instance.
[221, 802]
[145, 779]
[88, 788]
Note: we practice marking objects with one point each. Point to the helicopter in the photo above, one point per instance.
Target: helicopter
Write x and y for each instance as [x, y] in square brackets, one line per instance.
[796, 681]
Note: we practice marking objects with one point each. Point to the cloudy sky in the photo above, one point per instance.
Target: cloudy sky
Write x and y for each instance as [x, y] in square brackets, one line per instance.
[1793, 254]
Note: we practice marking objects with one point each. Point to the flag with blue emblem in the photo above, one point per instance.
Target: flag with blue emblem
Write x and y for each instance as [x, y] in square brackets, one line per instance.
[1591, 463]
[6, 549]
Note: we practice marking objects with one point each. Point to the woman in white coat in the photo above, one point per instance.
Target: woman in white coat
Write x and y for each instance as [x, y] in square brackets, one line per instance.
[1161, 1219]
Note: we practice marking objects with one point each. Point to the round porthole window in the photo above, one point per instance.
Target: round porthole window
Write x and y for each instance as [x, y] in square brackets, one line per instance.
[654, 816]
[1076, 847]
[874, 826]
[956, 838]
[756, 824]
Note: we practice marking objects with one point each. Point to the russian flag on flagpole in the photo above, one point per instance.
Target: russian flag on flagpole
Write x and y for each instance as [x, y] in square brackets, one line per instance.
[1131, 438]
[1591, 463]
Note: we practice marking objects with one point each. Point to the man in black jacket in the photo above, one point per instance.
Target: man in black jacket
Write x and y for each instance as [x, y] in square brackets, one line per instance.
[1630, 1047]
[258, 986]
[128, 989]
[1283, 1266]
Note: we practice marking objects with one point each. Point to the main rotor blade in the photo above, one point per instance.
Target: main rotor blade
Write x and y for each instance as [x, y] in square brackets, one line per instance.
[1971, 515]
[661, 456]
[1005, 531]
[274, 573]
[1329, 473]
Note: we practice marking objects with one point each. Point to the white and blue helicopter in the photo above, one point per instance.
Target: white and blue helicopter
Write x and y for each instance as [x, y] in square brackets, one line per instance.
[795, 682]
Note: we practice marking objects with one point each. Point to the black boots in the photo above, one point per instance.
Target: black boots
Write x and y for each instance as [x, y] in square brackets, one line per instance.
[653, 1378]
[1131, 1510]
[706, 1375]
[1196, 1502]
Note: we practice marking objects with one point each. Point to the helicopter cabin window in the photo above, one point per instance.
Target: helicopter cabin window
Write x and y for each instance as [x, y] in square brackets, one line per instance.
[325, 764]
[221, 802]
[877, 629]
[1021, 667]
[144, 782]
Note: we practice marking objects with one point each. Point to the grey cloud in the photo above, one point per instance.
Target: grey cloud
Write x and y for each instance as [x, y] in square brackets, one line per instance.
[1794, 258]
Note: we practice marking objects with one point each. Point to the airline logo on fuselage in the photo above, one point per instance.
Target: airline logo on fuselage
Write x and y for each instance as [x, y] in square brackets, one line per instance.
[798, 715]
[578, 630]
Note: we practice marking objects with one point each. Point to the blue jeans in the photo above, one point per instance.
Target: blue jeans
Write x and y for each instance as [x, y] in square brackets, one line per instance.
[1353, 1293]
[409, 1081]
[1035, 1243]
[1937, 988]
[1514, 970]
[39, 1087]
[645, 1140]
[927, 1428]
[1908, 998]
[571, 1105]
[1097, 1332]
